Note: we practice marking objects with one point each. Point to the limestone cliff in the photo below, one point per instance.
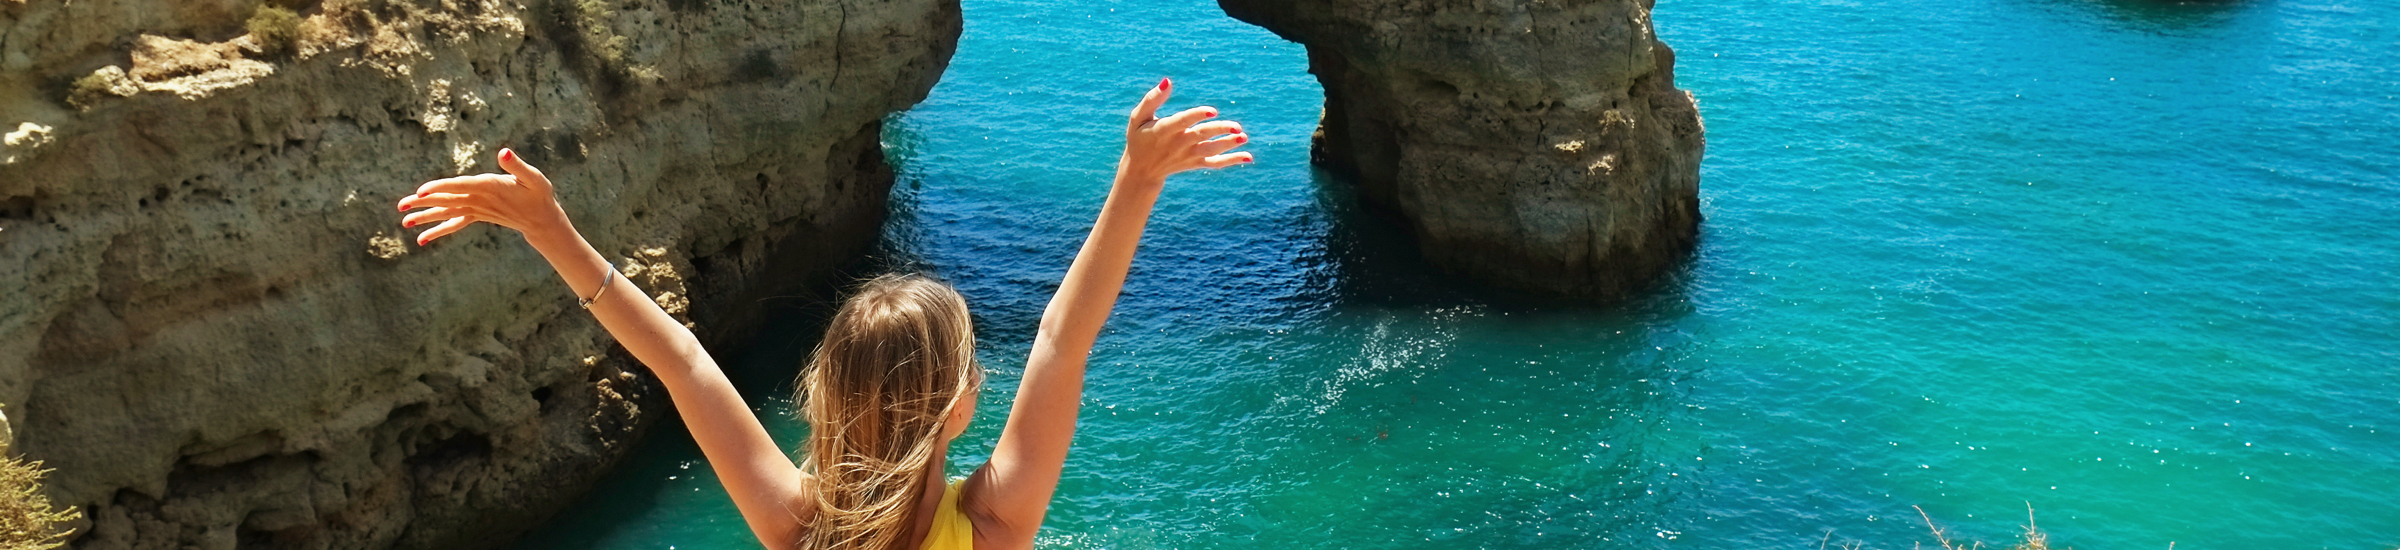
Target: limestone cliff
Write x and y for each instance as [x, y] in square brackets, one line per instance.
[213, 328]
[1534, 144]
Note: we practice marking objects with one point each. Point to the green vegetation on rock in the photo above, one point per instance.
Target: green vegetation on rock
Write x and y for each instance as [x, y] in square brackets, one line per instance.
[107, 82]
[593, 21]
[275, 28]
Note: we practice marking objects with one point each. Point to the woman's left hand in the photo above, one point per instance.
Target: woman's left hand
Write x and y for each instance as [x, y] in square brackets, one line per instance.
[1159, 147]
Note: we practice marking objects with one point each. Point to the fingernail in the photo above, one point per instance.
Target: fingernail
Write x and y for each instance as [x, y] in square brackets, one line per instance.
[1241, 139]
[1248, 159]
[508, 154]
[407, 224]
[1163, 83]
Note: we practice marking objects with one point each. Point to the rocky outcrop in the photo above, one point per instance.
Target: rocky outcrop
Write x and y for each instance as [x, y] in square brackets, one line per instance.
[213, 328]
[1533, 144]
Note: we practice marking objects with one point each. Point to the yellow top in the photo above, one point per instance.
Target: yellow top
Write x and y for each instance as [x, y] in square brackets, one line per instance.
[951, 528]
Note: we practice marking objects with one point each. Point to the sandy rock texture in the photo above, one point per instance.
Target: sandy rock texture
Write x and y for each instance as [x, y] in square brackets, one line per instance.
[213, 327]
[1538, 145]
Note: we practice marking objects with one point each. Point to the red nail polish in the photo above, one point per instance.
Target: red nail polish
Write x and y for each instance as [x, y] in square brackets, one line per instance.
[408, 224]
[1241, 139]
[1248, 159]
[1163, 83]
[508, 154]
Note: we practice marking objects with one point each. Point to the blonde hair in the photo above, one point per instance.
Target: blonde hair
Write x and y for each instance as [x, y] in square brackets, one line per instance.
[898, 355]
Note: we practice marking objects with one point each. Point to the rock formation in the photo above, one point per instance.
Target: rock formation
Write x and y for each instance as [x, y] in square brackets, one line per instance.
[1533, 144]
[213, 327]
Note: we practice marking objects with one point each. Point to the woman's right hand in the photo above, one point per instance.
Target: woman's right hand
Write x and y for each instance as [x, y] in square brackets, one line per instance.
[1159, 147]
[520, 200]
[762, 479]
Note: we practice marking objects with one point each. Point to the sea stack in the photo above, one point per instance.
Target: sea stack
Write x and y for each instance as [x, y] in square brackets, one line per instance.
[213, 326]
[1534, 145]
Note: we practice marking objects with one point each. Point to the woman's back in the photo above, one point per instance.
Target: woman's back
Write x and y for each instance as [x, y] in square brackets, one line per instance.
[950, 529]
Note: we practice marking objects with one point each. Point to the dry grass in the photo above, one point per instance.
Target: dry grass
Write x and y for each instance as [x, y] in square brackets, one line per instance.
[2032, 539]
[27, 521]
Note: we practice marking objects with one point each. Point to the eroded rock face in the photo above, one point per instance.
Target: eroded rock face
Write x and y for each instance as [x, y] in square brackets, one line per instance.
[213, 327]
[1534, 144]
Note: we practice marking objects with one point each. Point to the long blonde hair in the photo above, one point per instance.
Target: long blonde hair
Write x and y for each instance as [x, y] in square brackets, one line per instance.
[899, 354]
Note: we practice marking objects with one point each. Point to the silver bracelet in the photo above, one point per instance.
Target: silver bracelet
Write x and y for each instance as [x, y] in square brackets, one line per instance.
[604, 280]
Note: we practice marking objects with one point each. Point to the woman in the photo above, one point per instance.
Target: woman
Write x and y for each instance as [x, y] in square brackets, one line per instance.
[894, 379]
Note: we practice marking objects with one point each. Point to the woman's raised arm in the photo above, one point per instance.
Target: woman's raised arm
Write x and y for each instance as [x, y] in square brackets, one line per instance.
[764, 482]
[1011, 494]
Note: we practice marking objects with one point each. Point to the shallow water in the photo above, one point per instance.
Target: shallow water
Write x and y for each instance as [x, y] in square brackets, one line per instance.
[2131, 263]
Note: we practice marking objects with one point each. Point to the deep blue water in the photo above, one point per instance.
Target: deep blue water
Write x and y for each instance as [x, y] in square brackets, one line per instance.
[2130, 263]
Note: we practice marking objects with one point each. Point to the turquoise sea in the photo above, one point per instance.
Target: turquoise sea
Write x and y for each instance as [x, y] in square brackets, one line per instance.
[2130, 263]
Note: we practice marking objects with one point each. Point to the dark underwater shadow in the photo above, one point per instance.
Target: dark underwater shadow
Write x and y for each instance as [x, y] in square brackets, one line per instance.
[621, 498]
[2164, 17]
[1375, 262]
